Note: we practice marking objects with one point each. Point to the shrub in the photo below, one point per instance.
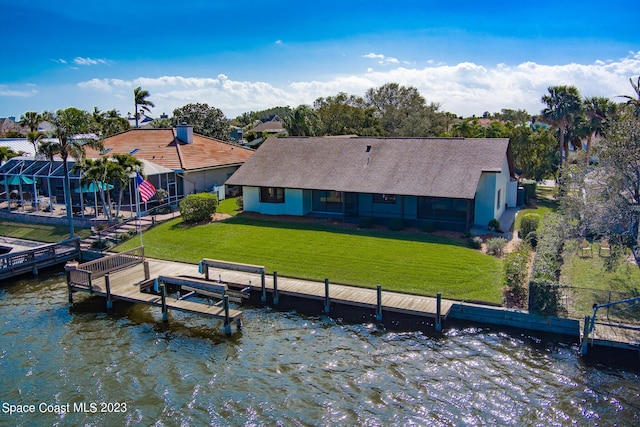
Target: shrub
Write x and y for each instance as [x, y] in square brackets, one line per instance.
[100, 244]
[429, 226]
[240, 202]
[528, 223]
[366, 222]
[475, 242]
[198, 207]
[516, 272]
[494, 224]
[495, 246]
[396, 224]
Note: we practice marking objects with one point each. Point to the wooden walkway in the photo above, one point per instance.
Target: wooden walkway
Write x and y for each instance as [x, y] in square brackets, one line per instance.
[342, 294]
[34, 259]
[616, 335]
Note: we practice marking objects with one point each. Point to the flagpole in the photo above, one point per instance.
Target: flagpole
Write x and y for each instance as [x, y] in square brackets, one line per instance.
[138, 222]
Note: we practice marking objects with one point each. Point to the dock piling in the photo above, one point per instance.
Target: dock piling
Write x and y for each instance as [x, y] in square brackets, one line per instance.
[326, 296]
[438, 312]
[585, 335]
[147, 274]
[379, 306]
[275, 288]
[163, 297]
[264, 288]
[227, 323]
[107, 285]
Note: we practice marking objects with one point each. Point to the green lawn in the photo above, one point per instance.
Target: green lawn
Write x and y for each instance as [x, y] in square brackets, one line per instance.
[595, 283]
[543, 204]
[228, 206]
[406, 262]
[39, 232]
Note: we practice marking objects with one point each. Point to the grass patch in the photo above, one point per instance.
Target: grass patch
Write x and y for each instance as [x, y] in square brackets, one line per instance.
[412, 263]
[228, 206]
[39, 232]
[594, 284]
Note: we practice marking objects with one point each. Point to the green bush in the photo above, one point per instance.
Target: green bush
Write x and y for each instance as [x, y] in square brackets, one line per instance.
[528, 223]
[495, 246]
[494, 224]
[396, 224]
[198, 207]
[100, 244]
[366, 222]
[475, 242]
[240, 202]
[532, 239]
[516, 272]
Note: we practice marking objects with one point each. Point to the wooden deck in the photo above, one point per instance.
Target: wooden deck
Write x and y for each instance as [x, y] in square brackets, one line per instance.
[342, 294]
[33, 259]
[610, 334]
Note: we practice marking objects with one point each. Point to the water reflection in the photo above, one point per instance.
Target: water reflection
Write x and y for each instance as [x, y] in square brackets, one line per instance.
[287, 369]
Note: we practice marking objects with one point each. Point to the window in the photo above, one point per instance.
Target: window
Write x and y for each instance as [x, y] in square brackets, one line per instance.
[271, 195]
[498, 202]
[327, 201]
[384, 198]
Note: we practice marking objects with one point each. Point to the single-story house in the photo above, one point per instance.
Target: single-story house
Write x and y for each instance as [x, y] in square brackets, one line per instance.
[195, 163]
[454, 183]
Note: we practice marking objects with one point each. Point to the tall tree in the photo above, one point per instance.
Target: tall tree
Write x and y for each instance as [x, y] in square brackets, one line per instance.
[599, 111]
[31, 120]
[404, 112]
[6, 153]
[128, 164]
[346, 115]
[302, 121]
[563, 104]
[534, 152]
[68, 124]
[633, 101]
[34, 137]
[207, 121]
[619, 172]
[140, 100]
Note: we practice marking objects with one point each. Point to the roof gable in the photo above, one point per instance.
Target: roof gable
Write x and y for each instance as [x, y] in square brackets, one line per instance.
[436, 167]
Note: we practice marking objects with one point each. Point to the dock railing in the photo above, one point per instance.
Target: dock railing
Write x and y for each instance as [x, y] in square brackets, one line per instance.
[38, 257]
[83, 274]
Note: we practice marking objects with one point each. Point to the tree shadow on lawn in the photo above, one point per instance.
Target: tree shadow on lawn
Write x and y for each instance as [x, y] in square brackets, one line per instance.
[339, 227]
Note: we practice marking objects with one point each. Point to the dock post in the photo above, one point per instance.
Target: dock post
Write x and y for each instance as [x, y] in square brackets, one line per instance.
[107, 285]
[35, 269]
[239, 324]
[438, 312]
[275, 288]
[264, 288]
[147, 275]
[67, 272]
[163, 297]
[227, 323]
[379, 307]
[206, 271]
[326, 295]
[585, 336]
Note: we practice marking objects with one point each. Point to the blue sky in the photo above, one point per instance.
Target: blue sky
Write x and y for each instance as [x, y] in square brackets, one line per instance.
[240, 56]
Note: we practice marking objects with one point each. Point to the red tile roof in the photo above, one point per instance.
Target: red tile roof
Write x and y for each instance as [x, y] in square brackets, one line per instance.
[161, 146]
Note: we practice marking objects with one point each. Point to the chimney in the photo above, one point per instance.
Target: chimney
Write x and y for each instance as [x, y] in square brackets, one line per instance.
[185, 132]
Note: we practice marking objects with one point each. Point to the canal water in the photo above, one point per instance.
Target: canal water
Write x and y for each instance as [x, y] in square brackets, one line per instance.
[78, 365]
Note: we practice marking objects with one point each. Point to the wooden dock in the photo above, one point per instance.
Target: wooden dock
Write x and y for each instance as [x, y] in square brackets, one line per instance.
[127, 277]
[611, 334]
[34, 259]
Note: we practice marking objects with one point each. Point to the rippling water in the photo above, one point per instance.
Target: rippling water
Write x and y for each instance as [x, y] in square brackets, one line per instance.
[284, 369]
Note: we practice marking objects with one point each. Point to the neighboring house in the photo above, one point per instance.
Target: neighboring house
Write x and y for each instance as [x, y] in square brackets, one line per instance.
[195, 163]
[144, 121]
[264, 130]
[454, 183]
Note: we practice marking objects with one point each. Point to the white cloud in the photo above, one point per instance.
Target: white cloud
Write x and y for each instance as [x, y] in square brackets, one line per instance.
[278, 42]
[78, 60]
[382, 60]
[59, 61]
[8, 92]
[464, 89]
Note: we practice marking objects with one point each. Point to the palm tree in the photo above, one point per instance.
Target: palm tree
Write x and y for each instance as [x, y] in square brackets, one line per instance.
[31, 119]
[67, 125]
[34, 138]
[598, 111]
[634, 102]
[6, 153]
[564, 103]
[128, 164]
[140, 99]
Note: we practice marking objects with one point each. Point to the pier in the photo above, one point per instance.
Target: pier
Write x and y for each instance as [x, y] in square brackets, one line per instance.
[30, 260]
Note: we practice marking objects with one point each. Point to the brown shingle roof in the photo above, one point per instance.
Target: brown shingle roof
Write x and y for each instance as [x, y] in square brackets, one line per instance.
[442, 167]
[161, 146]
[272, 126]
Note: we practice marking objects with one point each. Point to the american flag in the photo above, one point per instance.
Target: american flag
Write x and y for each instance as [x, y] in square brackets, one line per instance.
[146, 189]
